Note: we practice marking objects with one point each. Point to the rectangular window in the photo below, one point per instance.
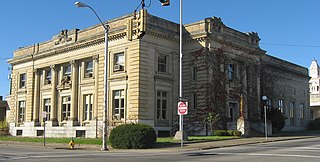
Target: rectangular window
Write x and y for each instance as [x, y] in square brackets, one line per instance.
[162, 105]
[47, 107]
[195, 100]
[21, 111]
[194, 73]
[280, 105]
[66, 107]
[231, 72]
[118, 62]
[48, 76]
[162, 63]
[291, 112]
[301, 110]
[118, 100]
[23, 80]
[67, 70]
[232, 111]
[269, 103]
[88, 100]
[88, 69]
[291, 106]
[310, 87]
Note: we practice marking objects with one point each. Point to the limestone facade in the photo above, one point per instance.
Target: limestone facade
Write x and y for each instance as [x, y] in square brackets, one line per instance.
[286, 83]
[314, 85]
[64, 78]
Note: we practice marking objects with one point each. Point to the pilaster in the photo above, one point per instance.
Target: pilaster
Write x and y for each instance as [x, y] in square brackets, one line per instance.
[74, 90]
[36, 100]
[54, 108]
[96, 78]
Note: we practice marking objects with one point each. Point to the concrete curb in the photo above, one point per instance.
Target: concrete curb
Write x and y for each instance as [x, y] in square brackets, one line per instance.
[187, 147]
[237, 143]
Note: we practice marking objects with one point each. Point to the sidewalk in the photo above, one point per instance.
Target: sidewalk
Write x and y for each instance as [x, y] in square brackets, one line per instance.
[192, 146]
[240, 141]
[188, 146]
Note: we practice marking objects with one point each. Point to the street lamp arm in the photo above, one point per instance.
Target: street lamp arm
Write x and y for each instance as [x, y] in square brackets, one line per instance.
[106, 95]
[105, 26]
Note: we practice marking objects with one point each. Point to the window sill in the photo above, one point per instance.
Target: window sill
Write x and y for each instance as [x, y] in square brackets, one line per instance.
[118, 72]
[22, 90]
[46, 86]
[88, 78]
[64, 86]
[86, 122]
[163, 122]
[20, 124]
[118, 75]
[63, 123]
[165, 76]
[86, 81]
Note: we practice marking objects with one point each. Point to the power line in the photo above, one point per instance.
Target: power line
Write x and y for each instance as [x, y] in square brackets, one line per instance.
[292, 45]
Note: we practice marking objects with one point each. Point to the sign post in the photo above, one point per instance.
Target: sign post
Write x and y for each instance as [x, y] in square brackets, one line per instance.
[182, 110]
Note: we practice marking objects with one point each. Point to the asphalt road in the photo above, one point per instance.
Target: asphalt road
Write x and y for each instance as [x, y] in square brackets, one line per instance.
[285, 151]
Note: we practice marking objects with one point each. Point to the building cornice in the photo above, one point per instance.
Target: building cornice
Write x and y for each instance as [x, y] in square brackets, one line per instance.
[98, 39]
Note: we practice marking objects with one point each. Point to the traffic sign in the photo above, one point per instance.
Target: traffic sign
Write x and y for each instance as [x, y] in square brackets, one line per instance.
[182, 108]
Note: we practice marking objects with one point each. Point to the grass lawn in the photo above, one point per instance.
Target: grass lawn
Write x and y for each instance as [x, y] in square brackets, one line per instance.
[98, 141]
[94, 141]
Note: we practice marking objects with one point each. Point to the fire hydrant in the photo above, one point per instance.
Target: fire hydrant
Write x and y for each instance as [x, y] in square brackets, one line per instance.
[71, 144]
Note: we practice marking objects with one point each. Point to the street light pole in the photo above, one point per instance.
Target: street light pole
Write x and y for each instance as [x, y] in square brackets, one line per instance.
[106, 96]
[180, 81]
[265, 98]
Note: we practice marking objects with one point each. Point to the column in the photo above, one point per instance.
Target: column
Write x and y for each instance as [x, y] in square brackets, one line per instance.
[74, 90]
[54, 107]
[244, 93]
[96, 76]
[36, 99]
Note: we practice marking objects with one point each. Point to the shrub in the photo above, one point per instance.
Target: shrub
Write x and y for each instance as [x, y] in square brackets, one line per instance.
[230, 132]
[277, 119]
[314, 124]
[3, 125]
[132, 136]
[220, 133]
[237, 133]
[3, 128]
[234, 133]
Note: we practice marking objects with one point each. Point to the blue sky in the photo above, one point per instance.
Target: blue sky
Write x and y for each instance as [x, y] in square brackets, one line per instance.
[289, 29]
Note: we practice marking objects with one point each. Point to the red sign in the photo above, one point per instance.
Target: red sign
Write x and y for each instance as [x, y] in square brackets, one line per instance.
[182, 108]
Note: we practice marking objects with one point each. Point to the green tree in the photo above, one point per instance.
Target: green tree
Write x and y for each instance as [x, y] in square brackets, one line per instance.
[210, 120]
[277, 119]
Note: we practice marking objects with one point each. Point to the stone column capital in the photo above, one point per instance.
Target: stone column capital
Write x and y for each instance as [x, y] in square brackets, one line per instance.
[73, 63]
[53, 67]
[95, 58]
[36, 71]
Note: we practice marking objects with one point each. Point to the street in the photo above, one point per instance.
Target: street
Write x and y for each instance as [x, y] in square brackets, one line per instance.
[284, 151]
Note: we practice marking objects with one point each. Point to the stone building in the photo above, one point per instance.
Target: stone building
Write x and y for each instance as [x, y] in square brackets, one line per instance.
[64, 78]
[3, 109]
[314, 84]
[286, 84]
